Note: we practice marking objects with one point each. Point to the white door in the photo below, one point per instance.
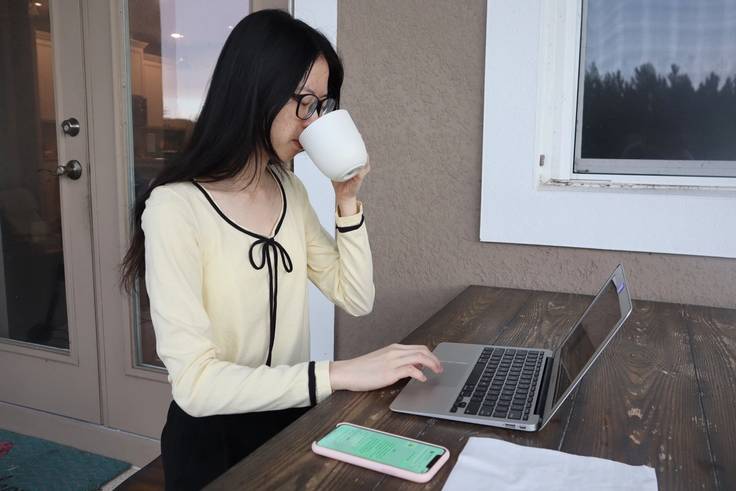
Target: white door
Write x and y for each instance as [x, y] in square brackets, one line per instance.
[163, 53]
[48, 338]
[150, 63]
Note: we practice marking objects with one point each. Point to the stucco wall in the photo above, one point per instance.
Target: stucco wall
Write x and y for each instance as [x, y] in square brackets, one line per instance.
[414, 85]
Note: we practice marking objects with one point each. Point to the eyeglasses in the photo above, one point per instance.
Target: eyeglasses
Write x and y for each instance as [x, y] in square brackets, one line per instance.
[307, 104]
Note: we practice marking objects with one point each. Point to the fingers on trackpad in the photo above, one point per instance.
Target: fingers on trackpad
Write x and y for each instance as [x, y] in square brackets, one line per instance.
[451, 376]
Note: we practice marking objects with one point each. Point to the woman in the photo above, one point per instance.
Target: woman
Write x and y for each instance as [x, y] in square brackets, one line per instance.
[227, 240]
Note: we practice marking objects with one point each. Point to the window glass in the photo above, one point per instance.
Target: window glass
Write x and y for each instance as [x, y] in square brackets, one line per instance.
[658, 83]
[174, 45]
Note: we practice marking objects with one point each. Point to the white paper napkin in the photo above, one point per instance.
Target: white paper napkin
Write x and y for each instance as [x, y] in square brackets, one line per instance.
[490, 464]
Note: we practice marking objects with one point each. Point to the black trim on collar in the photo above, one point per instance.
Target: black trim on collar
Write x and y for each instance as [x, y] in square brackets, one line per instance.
[352, 227]
[235, 225]
[312, 384]
[272, 262]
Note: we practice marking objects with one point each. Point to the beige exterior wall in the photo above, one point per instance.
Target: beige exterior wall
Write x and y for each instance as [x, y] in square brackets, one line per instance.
[414, 84]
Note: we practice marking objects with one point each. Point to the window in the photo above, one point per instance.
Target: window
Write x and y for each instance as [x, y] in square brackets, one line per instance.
[173, 47]
[532, 189]
[657, 88]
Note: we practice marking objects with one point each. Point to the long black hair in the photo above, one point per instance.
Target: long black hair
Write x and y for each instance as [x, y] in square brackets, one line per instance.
[260, 67]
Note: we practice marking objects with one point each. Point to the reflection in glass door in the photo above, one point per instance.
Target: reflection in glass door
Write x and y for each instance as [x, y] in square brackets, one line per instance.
[174, 45]
[32, 286]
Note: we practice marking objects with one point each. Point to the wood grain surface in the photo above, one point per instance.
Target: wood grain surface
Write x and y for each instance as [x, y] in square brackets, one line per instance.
[663, 395]
[712, 337]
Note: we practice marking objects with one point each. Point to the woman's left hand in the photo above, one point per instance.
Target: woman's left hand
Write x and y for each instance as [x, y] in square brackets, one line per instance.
[346, 193]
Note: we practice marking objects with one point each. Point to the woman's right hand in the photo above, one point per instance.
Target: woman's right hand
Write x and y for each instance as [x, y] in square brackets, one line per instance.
[383, 367]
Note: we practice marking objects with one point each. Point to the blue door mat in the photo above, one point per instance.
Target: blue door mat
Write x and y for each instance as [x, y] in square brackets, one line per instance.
[30, 464]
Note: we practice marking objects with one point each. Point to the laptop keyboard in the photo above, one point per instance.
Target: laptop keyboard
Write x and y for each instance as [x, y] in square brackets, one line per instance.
[502, 384]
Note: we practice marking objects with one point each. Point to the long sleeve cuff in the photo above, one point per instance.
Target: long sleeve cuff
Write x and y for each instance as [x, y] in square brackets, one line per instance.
[322, 379]
[351, 222]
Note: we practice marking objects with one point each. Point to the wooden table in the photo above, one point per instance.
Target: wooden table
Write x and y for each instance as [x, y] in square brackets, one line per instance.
[663, 394]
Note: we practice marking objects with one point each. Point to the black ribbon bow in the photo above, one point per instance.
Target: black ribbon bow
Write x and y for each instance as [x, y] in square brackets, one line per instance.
[267, 245]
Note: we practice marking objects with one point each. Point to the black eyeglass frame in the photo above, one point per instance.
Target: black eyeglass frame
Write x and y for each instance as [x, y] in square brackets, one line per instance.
[318, 108]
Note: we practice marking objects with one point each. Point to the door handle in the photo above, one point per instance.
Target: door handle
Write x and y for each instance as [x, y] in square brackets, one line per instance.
[70, 126]
[72, 170]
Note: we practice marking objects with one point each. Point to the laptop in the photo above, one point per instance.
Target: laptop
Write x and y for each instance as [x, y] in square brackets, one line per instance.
[512, 386]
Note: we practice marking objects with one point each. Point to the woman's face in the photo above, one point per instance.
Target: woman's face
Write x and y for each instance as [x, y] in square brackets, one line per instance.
[287, 126]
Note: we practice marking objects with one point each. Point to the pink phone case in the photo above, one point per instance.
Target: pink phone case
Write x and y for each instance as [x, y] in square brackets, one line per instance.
[386, 469]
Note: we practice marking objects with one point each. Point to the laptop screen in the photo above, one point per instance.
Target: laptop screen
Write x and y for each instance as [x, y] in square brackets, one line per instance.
[590, 332]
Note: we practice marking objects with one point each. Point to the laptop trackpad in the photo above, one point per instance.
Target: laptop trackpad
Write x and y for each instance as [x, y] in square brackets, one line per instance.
[452, 376]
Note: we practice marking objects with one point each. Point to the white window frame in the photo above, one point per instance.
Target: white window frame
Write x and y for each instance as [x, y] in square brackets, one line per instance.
[530, 194]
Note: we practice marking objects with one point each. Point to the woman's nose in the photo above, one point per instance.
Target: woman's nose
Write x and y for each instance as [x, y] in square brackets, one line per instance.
[311, 119]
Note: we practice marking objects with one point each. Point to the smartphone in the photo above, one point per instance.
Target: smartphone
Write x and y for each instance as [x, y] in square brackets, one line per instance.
[391, 454]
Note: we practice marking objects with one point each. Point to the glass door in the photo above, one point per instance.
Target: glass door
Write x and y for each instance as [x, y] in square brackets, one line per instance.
[48, 341]
[163, 52]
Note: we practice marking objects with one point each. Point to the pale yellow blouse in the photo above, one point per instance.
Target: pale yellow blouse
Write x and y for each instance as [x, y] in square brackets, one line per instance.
[230, 307]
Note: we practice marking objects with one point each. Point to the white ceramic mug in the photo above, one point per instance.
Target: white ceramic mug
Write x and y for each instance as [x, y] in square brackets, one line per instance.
[334, 144]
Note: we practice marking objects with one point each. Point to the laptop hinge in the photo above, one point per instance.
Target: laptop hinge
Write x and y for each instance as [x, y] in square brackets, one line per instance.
[543, 388]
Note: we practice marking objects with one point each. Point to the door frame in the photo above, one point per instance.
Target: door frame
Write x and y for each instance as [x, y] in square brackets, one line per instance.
[45, 378]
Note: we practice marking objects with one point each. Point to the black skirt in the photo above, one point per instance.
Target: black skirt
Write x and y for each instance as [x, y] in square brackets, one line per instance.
[194, 451]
